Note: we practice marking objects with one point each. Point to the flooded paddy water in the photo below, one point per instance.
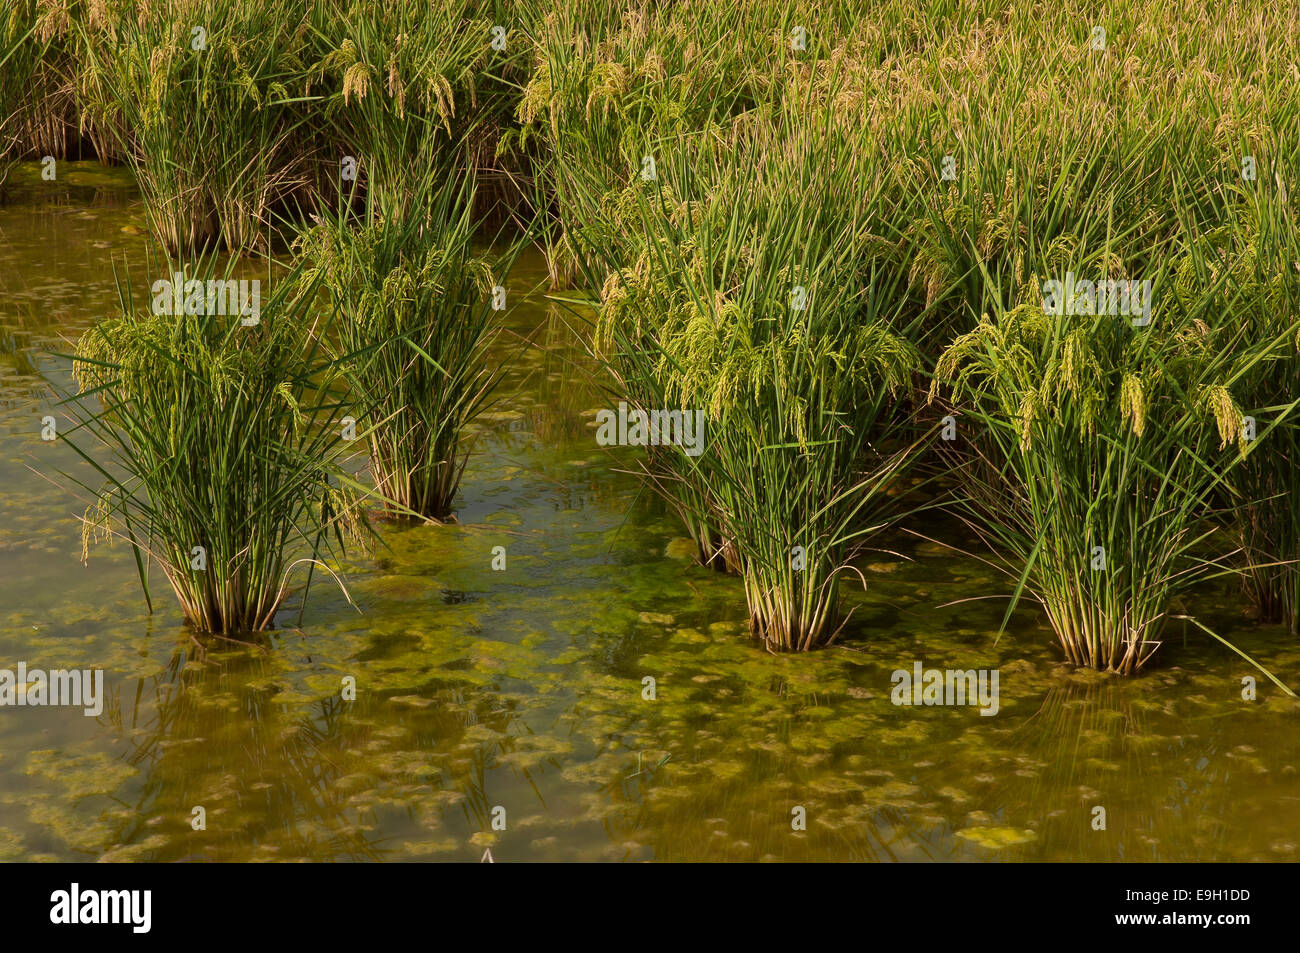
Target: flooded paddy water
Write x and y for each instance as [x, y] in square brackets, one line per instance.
[523, 689]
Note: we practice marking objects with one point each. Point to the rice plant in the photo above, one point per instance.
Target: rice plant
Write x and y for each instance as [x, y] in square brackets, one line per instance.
[1253, 266]
[612, 79]
[401, 83]
[1097, 453]
[48, 117]
[759, 297]
[197, 91]
[100, 117]
[693, 166]
[20, 55]
[416, 324]
[217, 441]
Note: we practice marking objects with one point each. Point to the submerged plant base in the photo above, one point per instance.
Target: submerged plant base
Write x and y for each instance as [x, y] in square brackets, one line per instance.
[1107, 646]
[786, 635]
[788, 617]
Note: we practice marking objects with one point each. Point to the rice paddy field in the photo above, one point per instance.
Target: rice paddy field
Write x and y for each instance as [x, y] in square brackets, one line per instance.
[620, 430]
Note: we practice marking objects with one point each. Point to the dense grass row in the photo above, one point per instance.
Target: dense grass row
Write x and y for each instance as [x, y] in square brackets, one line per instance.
[997, 148]
[234, 114]
[829, 227]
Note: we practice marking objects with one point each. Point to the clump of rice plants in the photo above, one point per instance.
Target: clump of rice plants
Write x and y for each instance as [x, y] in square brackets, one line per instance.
[1253, 269]
[217, 441]
[47, 117]
[416, 323]
[612, 79]
[99, 116]
[401, 86]
[1097, 450]
[198, 91]
[754, 293]
[20, 59]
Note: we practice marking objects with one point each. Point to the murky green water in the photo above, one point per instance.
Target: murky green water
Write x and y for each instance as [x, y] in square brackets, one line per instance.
[523, 689]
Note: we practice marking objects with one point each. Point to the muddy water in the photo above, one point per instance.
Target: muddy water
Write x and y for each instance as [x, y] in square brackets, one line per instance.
[522, 689]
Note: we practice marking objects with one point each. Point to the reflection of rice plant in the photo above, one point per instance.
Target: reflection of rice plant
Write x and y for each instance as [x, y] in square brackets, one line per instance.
[416, 325]
[565, 380]
[283, 772]
[221, 443]
[306, 780]
[1103, 448]
[1103, 745]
